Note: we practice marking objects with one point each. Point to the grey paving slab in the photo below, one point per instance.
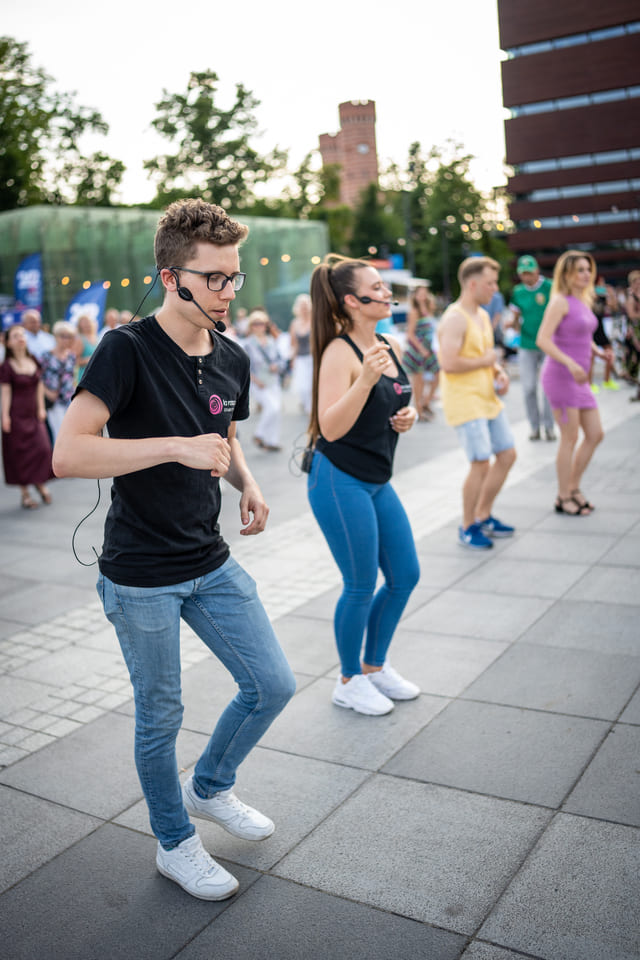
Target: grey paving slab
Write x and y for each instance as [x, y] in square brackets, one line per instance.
[16, 693]
[444, 571]
[501, 751]
[631, 713]
[69, 910]
[441, 665]
[290, 922]
[626, 551]
[514, 577]
[418, 850]
[308, 644]
[556, 548]
[296, 792]
[486, 951]
[312, 726]
[609, 585]
[32, 831]
[586, 625]
[576, 897]
[610, 787]
[91, 770]
[320, 607]
[9, 626]
[605, 522]
[422, 594]
[70, 665]
[481, 615]
[42, 601]
[561, 680]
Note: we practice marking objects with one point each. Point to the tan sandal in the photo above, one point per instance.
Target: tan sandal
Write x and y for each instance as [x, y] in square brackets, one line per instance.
[28, 503]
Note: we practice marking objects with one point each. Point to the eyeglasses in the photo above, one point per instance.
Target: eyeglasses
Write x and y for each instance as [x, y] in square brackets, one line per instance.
[217, 281]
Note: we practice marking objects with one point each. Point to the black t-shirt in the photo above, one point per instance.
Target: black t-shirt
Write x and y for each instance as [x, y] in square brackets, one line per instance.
[162, 526]
[366, 451]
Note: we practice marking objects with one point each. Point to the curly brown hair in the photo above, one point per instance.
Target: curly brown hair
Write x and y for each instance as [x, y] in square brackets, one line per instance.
[188, 222]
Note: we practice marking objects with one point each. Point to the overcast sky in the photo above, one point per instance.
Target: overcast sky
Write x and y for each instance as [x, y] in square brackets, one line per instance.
[433, 70]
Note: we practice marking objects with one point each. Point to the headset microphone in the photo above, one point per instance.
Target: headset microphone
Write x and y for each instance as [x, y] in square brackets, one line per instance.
[394, 303]
[185, 294]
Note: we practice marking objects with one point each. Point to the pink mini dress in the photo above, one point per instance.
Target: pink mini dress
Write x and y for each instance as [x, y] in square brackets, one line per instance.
[573, 336]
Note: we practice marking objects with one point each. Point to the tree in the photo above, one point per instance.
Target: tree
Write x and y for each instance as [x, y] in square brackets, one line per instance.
[40, 130]
[214, 155]
[375, 225]
[452, 216]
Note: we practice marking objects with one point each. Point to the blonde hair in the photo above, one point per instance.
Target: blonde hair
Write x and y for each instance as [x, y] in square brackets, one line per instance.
[564, 269]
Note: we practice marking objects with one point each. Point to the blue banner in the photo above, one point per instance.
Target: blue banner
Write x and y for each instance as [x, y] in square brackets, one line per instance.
[28, 283]
[90, 302]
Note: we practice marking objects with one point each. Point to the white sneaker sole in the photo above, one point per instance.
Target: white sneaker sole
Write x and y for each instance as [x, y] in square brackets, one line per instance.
[223, 895]
[371, 712]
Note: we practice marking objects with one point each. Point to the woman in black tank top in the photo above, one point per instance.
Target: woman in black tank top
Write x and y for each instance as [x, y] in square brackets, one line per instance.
[360, 404]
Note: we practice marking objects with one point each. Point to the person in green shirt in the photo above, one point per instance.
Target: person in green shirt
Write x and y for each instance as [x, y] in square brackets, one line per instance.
[528, 302]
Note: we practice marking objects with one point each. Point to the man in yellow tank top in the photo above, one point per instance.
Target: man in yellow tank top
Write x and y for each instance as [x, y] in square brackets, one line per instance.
[471, 382]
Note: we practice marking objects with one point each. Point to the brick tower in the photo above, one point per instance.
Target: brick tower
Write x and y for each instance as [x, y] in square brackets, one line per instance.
[353, 148]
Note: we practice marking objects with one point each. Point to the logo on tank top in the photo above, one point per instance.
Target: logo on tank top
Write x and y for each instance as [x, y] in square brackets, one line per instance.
[217, 405]
[401, 388]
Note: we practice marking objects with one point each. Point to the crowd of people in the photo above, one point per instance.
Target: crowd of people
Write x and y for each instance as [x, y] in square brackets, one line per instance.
[171, 389]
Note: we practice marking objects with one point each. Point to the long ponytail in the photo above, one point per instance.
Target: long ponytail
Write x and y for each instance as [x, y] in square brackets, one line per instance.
[331, 281]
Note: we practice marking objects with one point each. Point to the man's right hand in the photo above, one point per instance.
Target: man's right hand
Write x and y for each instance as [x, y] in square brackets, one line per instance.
[207, 451]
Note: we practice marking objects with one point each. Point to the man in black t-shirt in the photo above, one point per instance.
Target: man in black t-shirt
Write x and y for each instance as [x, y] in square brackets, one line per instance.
[170, 389]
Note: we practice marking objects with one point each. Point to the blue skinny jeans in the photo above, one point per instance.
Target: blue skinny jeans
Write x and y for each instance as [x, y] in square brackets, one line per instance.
[366, 528]
[224, 610]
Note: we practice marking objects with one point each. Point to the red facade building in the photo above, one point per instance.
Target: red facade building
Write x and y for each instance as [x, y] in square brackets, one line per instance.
[353, 148]
[572, 84]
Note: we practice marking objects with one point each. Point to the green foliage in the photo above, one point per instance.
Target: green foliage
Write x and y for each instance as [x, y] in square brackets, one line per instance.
[376, 225]
[214, 156]
[40, 129]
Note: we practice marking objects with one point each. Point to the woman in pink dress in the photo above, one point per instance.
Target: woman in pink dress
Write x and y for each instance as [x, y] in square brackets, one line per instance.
[566, 336]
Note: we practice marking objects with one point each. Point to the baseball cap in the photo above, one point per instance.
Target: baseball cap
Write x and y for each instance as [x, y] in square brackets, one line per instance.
[527, 264]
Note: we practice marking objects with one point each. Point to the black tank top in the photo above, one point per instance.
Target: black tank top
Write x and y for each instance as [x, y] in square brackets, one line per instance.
[366, 451]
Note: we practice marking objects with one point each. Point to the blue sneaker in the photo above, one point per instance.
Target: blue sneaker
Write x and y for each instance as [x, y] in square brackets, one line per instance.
[494, 528]
[474, 538]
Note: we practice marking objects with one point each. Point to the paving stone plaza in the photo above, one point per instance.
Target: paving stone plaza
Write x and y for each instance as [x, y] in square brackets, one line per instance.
[495, 817]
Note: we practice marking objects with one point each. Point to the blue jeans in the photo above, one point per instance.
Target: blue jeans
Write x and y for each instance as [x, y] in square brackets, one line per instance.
[224, 609]
[367, 529]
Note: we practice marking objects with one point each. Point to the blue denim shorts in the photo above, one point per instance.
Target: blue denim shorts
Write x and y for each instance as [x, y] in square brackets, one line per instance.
[480, 438]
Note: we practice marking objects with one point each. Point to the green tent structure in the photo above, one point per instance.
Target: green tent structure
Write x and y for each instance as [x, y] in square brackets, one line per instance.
[114, 245]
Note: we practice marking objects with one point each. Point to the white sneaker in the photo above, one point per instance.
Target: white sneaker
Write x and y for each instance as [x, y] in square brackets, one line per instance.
[191, 867]
[226, 810]
[359, 695]
[389, 682]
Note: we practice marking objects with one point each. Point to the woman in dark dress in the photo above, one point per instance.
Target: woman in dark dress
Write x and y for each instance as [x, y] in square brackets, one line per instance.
[26, 449]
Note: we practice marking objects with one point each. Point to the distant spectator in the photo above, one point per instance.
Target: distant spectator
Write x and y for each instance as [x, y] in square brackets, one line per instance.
[419, 357]
[528, 302]
[301, 359]
[38, 339]
[111, 321]
[265, 380]
[632, 336]
[58, 368]
[26, 450]
[87, 341]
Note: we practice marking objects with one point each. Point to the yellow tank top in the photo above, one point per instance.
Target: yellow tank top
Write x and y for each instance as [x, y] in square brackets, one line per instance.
[471, 395]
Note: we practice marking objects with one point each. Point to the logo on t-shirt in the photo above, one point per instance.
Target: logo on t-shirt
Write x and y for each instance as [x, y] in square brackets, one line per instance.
[217, 405]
